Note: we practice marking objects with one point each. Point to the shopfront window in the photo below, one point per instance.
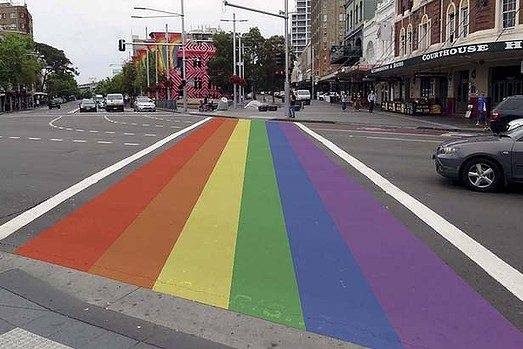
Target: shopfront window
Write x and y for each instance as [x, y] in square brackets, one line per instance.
[464, 18]
[451, 22]
[508, 9]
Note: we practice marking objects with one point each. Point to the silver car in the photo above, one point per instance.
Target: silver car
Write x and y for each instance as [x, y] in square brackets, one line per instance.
[483, 163]
[144, 104]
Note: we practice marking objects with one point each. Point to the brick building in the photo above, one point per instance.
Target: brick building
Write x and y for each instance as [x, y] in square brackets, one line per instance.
[15, 19]
[447, 52]
[327, 31]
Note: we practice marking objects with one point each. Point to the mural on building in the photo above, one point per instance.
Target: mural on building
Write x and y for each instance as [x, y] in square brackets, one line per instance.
[167, 62]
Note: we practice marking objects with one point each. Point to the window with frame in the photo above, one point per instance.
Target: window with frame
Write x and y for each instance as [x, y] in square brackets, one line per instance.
[451, 22]
[424, 33]
[408, 49]
[464, 18]
[508, 13]
[402, 41]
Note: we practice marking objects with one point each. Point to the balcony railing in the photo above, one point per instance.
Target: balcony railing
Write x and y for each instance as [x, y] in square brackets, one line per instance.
[345, 54]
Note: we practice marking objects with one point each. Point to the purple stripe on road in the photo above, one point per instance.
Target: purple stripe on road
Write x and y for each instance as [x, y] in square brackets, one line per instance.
[426, 302]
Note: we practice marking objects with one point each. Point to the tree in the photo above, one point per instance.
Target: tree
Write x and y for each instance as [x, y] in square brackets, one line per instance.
[61, 84]
[55, 62]
[220, 66]
[19, 65]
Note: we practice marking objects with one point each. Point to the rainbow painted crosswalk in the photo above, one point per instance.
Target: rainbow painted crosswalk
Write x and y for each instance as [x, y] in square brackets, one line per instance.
[253, 217]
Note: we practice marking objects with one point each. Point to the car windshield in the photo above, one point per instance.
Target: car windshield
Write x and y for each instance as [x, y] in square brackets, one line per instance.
[143, 99]
[88, 101]
[114, 97]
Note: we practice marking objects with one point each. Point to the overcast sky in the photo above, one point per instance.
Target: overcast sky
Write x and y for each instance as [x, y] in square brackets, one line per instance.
[88, 30]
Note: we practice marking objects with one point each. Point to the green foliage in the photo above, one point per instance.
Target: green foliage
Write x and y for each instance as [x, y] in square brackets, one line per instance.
[261, 70]
[57, 65]
[18, 62]
[62, 84]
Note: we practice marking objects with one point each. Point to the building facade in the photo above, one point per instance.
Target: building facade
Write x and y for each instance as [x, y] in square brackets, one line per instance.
[327, 30]
[166, 63]
[16, 19]
[447, 52]
[301, 26]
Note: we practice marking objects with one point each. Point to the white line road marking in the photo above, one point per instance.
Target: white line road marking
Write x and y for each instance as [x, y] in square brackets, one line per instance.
[376, 132]
[104, 142]
[129, 134]
[78, 130]
[93, 131]
[501, 271]
[131, 144]
[35, 138]
[146, 125]
[110, 132]
[30, 215]
[69, 129]
[14, 137]
[79, 141]
[74, 111]
[159, 125]
[56, 140]
[401, 139]
[150, 135]
[134, 124]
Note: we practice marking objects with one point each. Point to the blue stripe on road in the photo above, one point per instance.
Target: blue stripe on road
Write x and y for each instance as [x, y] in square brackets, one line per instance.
[336, 299]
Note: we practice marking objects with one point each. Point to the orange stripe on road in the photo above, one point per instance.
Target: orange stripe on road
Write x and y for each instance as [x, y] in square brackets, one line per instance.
[137, 257]
[79, 240]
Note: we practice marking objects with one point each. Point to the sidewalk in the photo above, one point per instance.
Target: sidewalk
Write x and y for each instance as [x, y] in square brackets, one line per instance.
[331, 113]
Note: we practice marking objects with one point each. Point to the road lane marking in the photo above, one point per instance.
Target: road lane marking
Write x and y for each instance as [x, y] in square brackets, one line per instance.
[34, 138]
[401, 139]
[14, 137]
[129, 134]
[93, 131]
[79, 141]
[501, 271]
[56, 140]
[30, 215]
[150, 135]
[110, 132]
[78, 130]
[146, 125]
[104, 142]
[131, 144]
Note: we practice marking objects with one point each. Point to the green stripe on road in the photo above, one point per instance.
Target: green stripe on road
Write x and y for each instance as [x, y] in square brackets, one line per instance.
[264, 284]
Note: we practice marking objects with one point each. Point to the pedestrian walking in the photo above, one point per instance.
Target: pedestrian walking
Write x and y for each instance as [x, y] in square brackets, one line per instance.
[371, 98]
[357, 102]
[344, 100]
[482, 110]
[292, 105]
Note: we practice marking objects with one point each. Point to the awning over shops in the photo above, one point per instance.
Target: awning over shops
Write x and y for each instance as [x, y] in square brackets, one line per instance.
[454, 56]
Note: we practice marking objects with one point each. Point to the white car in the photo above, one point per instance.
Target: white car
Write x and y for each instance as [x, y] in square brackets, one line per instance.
[114, 101]
[144, 104]
[303, 96]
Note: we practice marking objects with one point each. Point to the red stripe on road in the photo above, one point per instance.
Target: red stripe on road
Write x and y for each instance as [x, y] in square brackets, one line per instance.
[80, 239]
[138, 255]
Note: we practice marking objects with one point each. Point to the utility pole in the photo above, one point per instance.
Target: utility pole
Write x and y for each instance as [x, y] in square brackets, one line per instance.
[312, 72]
[147, 60]
[184, 65]
[285, 16]
[240, 89]
[167, 65]
[234, 53]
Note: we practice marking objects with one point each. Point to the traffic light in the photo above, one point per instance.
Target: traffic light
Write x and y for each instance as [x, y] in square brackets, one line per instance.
[121, 45]
[182, 85]
[280, 59]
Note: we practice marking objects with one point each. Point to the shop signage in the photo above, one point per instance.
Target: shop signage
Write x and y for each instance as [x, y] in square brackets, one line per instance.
[465, 50]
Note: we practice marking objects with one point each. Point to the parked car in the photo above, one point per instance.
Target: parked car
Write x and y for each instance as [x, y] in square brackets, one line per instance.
[511, 108]
[88, 105]
[143, 103]
[54, 103]
[303, 96]
[115, 101]
[483, 163]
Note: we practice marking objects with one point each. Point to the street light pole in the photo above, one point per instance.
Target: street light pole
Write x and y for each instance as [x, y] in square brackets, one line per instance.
[147, 60]
[168, 66]
[234, 55]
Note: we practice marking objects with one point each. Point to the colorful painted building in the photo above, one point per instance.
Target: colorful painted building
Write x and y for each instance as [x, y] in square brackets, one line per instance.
[165, 65]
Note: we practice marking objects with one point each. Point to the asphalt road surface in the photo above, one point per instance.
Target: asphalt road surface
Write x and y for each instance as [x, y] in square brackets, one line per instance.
[258, 231]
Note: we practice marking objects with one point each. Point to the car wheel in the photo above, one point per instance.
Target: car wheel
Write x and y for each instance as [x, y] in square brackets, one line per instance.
[482, 175]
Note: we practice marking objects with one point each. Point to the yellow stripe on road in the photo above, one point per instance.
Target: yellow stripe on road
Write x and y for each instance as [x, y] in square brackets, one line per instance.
[200, 266]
